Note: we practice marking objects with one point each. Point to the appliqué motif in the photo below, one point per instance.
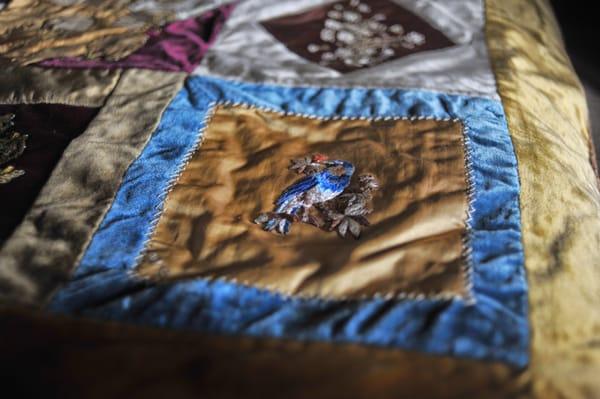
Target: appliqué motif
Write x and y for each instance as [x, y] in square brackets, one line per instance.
[324, 198]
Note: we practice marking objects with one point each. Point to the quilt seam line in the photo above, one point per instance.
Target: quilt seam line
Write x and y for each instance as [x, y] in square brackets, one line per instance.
[466, 269]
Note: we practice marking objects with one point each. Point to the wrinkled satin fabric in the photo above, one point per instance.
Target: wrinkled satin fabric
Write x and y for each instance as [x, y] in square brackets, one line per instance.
[178, 46]
[246, 51]
[414, 244]
[105, 284]
[560, 201]
[42, 251]
[50, 128]
[34, 85]
[34, 30]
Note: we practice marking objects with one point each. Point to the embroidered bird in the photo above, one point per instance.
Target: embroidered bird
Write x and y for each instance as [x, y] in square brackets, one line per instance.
[320, 186]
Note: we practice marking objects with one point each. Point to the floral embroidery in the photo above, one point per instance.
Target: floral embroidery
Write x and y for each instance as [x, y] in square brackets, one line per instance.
[12, 145]
[324, 198]
[358, 40]
[350, 35]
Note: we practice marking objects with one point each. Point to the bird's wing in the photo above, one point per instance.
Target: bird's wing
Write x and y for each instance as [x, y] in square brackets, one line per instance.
[296, 189]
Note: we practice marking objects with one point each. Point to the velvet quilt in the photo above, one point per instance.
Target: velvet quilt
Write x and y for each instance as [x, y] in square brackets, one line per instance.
[297, 198]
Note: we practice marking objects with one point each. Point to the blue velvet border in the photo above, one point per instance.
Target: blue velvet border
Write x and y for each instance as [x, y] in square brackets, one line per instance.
[494, 328]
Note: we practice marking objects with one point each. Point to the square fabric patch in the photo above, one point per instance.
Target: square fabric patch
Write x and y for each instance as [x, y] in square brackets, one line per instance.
[47, 129]
[353, 34]
[219, 159]
[413, 244]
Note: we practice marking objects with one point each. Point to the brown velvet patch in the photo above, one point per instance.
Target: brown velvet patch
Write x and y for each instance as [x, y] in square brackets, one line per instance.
[413, 245]
[350, 35]
[50, 128]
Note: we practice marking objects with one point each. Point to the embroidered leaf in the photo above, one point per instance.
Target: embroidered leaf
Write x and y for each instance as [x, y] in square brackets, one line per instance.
[343, 228]
[6, 122]
[9, 173]
[354, 228]
[12, 145]
[262, 218]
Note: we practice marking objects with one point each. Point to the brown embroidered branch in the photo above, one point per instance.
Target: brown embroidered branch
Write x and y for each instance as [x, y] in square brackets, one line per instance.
[348, 212]
[12, 145]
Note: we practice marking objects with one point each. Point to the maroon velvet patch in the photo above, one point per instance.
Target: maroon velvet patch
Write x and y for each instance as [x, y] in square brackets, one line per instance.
[50, 129]
[354, 34]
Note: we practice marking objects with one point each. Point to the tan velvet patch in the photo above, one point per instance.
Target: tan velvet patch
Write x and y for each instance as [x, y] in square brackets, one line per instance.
[413, 246]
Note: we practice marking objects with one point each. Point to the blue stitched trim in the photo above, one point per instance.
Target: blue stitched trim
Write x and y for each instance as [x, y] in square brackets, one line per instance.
[495, 327]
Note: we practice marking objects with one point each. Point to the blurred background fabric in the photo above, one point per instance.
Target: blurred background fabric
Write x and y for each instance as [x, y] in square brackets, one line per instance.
[579, 28]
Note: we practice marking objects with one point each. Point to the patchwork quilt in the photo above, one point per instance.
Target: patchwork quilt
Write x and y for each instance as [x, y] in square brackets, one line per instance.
[297, 198]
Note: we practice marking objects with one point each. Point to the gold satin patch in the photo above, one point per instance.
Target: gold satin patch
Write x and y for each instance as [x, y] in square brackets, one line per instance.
[413, 246]
[35, 30]
[560, 202]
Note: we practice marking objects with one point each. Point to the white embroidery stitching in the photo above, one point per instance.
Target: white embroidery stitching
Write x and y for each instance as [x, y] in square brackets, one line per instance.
[357, 40]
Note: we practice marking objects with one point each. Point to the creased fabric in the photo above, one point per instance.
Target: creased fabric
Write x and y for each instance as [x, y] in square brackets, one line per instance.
[494, 326]
[246, 51]
[178, 46]
[43, 250]
[34, 85]
[34, 30]
[155, 363]
[49, 129]
[413, 245]
[560, 201]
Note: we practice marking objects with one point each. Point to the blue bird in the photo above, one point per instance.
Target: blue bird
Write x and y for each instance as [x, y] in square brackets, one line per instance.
[303, 194]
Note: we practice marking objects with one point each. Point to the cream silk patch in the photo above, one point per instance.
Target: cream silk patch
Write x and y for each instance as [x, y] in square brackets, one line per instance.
[413, 246]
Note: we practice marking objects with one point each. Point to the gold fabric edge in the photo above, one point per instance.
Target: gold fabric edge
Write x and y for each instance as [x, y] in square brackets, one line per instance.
[560, 204]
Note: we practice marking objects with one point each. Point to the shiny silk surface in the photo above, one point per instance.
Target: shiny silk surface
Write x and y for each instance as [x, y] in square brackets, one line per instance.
[246, 51]
[178, 46]
[560, 202]
[32, 85]
[34, 30]
[491, 325]
[414, 244]
[43, 250]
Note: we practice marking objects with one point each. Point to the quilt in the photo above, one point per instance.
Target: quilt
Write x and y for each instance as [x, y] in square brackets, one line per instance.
[297, 198]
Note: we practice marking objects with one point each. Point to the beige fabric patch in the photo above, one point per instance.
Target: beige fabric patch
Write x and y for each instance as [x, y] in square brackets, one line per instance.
[45, 248]
[35, 30]
[33, 85]
[414, 245]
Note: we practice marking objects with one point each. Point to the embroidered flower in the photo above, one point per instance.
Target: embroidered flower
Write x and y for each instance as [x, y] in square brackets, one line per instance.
[358, 40]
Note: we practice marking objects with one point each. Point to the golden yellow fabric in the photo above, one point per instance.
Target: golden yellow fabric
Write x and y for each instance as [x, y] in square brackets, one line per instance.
[414, 244]
[34, 30]
[560, 202]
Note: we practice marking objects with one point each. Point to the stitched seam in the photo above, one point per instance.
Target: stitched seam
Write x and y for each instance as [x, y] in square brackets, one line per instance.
[467, 238]
[466, 269]
[170, 185]
[327, 85]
